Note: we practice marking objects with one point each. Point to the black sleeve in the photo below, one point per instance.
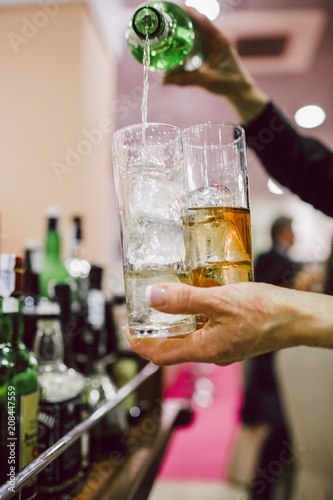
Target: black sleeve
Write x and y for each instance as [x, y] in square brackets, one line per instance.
[301, 163]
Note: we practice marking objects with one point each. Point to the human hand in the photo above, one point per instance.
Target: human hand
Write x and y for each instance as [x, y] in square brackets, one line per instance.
[245, 320]
[222, 71]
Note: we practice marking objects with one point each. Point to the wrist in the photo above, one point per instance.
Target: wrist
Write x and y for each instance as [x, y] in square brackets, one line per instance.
[249, 101]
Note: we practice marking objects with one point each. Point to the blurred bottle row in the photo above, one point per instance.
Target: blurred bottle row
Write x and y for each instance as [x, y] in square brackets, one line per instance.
[61, 357]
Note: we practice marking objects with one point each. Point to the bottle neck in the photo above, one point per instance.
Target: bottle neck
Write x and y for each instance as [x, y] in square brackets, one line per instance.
[30, 286]
[52, 244]
[148, 23]
[11, 320]
[77, 249]
[49, 345]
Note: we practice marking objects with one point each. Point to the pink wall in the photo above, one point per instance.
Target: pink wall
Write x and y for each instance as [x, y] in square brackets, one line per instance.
[57, 87]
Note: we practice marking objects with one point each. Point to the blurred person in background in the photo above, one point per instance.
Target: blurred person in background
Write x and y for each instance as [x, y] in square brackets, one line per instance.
[262, 402]
[275, 266]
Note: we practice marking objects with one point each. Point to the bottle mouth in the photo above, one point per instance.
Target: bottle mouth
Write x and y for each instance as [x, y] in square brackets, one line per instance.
[147, 21]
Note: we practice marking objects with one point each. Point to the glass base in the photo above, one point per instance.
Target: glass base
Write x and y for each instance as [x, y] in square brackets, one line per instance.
[163, 331]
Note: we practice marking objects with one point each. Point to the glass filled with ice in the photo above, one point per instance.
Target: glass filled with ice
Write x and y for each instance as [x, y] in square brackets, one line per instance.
[218, 218]
[151, 188]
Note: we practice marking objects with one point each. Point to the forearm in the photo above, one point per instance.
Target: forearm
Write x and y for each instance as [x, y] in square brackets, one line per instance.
[302, 318]
[248, 99]
[301, 163]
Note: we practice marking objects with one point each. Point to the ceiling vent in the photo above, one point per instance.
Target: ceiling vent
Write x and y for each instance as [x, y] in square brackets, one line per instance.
[275, 41]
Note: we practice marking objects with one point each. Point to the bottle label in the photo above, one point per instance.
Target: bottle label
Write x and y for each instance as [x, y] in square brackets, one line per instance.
[10, 305]
[96, 308]
[7, 274]
[29, 428]
[18, 436]
[54, 421]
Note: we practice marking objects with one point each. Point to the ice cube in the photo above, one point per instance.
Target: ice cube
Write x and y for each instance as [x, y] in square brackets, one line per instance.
[230, 243]
[211, 196]
[215, 239]
[155, 242]
[156, 190]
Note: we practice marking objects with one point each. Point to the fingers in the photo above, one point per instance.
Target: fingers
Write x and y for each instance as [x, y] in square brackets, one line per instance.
[177, 298]
[209, 32]
[173, 350]
[182, 77]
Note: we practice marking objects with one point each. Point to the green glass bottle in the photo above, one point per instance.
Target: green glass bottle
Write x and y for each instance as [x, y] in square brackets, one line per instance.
[18, 381]
[60, 406]
[53, 268]
[173, 41]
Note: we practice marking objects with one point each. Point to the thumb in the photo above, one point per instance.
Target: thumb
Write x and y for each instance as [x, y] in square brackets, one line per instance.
[178, 298]
[182, 77]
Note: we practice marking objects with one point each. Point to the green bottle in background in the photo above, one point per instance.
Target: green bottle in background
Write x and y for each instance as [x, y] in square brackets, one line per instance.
[173, 40]
[53, 269]
[60, 406]
[18, 381]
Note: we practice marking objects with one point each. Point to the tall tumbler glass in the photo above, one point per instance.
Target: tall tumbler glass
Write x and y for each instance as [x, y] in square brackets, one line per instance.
[151, 189]
[219, 212]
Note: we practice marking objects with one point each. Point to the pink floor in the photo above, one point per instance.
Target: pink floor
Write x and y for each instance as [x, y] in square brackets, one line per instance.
[202, 449]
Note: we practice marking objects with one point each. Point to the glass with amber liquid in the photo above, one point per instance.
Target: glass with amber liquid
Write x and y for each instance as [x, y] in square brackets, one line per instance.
[218, 220]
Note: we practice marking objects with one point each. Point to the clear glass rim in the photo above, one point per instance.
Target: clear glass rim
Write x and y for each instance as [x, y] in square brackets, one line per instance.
[149, 125]
[216, 124]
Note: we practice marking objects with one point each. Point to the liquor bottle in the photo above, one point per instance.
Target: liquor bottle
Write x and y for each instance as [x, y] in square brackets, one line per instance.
[30, 293]
[70, 327]
[77, 265]
[18, 381]
[53, 269]
[169, 31]
[96, 309]
[126, 363]
[108, 434]
[60, 405]
[119, 309]
[31, 279]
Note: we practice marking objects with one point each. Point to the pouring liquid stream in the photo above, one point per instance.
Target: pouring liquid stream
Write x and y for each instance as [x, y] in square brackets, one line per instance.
[144, 105]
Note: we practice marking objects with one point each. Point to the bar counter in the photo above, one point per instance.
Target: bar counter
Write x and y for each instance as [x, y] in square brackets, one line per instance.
[120, 475]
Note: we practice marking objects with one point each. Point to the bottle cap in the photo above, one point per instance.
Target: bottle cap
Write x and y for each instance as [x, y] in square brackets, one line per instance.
[53, 212]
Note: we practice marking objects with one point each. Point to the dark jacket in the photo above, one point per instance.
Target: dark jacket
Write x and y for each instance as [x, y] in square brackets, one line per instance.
[301, 163]
[275, 268]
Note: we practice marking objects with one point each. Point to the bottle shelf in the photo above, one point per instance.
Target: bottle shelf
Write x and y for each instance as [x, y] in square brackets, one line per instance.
[139, 463]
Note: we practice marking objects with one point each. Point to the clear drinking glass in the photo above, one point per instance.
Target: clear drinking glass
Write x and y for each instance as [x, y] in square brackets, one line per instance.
[152, 192]
[219, 220]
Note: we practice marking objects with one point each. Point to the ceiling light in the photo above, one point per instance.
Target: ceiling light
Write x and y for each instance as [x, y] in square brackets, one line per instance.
[210, 8]
[310, 116]
[273, 187]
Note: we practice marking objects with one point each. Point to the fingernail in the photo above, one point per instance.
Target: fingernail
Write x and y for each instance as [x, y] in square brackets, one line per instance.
[156, 295]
